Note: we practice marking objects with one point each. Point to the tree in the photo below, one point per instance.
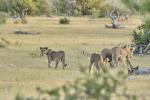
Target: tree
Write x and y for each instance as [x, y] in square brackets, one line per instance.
[141, 37]
[2, 6]
[58, 7]
[138, 5]
[43, 7]
[79, 7]
[87, 6]
[23, 7]
[146, 6]
[134, 5]
[114, 17]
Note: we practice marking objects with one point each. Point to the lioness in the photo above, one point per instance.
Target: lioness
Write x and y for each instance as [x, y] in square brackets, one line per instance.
[122, 54]
[95, 59]
[56, 56]
[107, 56]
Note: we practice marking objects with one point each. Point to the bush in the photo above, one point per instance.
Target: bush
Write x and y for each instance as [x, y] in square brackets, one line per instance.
[2, 18]
[143, 35]
[94, 87]
[24, 21]
[141, 38]
[146, 25]
[137, 37]
[64, 20]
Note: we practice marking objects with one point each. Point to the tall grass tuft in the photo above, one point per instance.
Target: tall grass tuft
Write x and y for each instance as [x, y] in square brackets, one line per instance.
[2, 45]
[6, 41]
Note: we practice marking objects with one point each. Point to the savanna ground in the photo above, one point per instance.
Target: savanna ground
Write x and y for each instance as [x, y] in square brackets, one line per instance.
[22, 70]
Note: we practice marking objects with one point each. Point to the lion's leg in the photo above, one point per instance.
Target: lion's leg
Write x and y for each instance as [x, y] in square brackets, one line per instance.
[104, 62]
[119, 59]
[56, 64]
[63, 62]
[111, 64]
[90, 67]
[129, 63]
[115, 62]
[49, 63]
[123, 62]
[97, 67]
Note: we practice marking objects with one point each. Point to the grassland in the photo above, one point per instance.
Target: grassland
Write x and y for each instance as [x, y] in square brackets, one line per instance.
[22, 70]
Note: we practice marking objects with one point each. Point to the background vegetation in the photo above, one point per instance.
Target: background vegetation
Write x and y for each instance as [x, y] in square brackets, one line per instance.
[22, 70]
[142, 36]
[56, 7]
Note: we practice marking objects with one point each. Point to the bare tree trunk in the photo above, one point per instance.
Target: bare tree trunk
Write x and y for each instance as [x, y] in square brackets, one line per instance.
[24, 13]
[147, 48]
[141, 51]
[114, 19]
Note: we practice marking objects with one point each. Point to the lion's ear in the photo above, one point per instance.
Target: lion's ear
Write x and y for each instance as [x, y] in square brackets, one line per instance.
[40, 48]
[46, 48]
[131, 49]
[125, 46]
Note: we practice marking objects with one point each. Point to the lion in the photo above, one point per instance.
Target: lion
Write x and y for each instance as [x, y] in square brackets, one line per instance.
[96, 60]
[107, 56]
[122, 54]
[56, 56]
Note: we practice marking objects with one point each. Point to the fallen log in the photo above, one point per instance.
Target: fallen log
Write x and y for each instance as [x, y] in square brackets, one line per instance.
[139, 71]
[26, 33]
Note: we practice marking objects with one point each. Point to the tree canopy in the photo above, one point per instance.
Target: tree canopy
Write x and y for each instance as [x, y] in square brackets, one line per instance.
[70, 7]
[57, 7]
[17, 7]
[138, 5]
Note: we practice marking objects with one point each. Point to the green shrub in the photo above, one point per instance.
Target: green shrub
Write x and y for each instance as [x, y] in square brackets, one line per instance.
[146, 25]
[64, 20]
[143, 35]
[141, 38]
[24, 21]
[137, 37]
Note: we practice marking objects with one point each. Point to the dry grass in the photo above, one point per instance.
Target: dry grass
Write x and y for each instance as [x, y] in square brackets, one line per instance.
[22, 70]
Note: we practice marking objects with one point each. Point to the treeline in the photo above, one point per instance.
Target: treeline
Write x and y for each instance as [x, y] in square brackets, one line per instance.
[54, 7]
[141, 36]
[69, 7]
[21, 7]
